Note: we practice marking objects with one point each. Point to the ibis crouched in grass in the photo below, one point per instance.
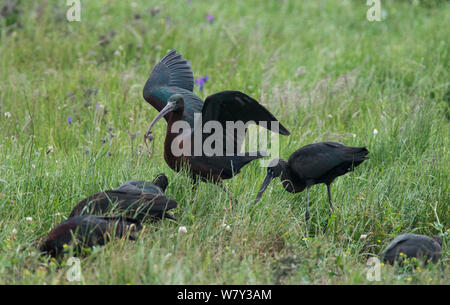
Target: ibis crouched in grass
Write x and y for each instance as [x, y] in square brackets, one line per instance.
[413, 245]
[136, 199]
[94, 220]
[313, 164]
[169, 89]
[87, 231]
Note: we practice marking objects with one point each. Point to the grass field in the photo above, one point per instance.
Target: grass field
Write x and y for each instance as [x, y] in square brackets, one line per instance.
[320, 66]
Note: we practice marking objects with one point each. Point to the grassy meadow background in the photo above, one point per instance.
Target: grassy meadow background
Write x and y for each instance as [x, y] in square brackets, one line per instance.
[321, 67]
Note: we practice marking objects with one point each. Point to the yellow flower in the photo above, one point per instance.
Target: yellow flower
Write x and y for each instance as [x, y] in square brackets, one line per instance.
[305, 238]
[382, 264]
[409, 279]
[379, 241]
[65, 246]
[401, 253]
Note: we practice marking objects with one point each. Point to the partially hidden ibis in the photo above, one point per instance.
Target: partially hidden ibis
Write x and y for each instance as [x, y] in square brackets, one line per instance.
[158, 186]
[87, 231]
[135, 199]
[421, 247]
[313, 164]
[169, 89]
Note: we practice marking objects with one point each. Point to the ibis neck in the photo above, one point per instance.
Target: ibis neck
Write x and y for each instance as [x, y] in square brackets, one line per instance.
[169, 156]
[290, 181]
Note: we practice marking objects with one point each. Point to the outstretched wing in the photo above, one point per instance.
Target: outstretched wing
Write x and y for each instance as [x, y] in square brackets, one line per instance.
[171, 71]
[235, 106]
[170, 76]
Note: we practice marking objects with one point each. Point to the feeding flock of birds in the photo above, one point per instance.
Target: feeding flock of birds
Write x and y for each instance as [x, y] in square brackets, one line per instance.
[169, 88]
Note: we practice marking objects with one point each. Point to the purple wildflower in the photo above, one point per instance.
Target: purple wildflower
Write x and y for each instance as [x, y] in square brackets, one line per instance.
[201, 81]
[69, 120]
[188, 63]
[210, 18]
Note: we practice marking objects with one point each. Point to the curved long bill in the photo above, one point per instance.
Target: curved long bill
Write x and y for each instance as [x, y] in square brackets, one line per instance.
[263, 187]
[169, 107]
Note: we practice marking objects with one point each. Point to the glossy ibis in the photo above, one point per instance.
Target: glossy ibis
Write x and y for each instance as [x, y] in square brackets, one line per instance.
[413, 245]
[313, 164]
[158, 186]
[128, 201]
[88, 231]
[169, 90]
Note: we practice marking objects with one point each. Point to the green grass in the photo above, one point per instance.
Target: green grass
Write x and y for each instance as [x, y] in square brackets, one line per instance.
[357, 76]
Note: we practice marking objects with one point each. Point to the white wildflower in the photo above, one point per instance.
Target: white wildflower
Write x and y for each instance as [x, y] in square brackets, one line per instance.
[182, 230]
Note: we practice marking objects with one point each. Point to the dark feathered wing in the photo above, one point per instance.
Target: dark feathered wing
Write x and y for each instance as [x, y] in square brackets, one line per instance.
[89, 230]
[171, 71]
[412, 245]
[170, 76]
[225, 166]
[139, 186]
[236, 106]
[139, 206]
[315, 160]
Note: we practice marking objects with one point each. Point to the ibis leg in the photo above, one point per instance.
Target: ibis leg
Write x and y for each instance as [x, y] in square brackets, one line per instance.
[307, 204]
[331, 207]
[228, 193]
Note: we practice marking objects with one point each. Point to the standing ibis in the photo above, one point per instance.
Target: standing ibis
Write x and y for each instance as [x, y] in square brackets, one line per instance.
[313, 164]
[158, 186]
[87, 231]
[137, 199]
[169, 89]
[413, 245]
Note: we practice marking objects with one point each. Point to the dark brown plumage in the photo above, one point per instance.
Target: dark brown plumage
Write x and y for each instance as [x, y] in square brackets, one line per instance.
[158, 186]
[139, 205]
[169, 89]
[313, 164]
[87, 231]
[413, 245]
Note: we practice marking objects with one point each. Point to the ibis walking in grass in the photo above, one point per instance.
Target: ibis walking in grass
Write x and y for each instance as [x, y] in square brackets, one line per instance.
[169, 89]
[313, 164]
[136, 199]
[87, 231]
[413, 245]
